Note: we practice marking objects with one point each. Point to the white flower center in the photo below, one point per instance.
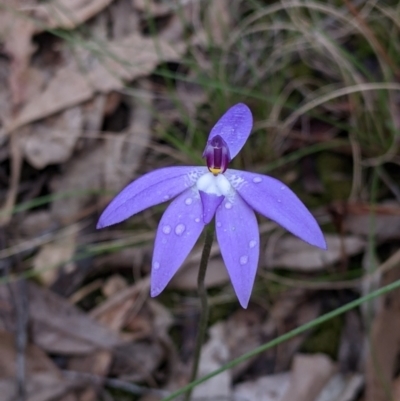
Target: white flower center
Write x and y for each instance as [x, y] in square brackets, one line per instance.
[214, 184]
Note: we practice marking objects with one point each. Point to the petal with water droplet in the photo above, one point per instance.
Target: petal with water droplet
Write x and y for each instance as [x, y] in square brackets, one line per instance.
[149, 190]
[172, 245]
[234, 128]
[237, 228]
[274, 200]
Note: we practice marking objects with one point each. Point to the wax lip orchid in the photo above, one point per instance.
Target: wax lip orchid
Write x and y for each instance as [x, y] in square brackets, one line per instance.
[201, 193]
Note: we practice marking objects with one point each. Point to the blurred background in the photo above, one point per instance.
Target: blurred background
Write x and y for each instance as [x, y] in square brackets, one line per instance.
[95, 93]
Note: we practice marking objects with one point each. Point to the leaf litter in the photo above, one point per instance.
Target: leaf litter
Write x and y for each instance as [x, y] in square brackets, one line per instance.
[96, 93]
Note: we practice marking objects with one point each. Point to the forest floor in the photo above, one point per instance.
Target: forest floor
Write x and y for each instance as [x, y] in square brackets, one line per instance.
[95, 93]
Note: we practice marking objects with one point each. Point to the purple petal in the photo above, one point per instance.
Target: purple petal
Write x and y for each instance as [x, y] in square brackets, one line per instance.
[234, 127]
[149, 190]
[178, 231]
[210, 203]
[275, 200]
[239, 241]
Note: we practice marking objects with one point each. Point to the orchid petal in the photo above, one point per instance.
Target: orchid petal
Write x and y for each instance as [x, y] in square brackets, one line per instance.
[210, 203]
[234, 127]
[149, 190]
[238, 238]
[273, 199]
[178, 231]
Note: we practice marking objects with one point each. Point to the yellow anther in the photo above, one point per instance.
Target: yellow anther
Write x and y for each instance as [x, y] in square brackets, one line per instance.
[215, 171]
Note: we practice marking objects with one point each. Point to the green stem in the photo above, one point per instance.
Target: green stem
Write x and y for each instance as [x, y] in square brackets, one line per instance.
[204, 305]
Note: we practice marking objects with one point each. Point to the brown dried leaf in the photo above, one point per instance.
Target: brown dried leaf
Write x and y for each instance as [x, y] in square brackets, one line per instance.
[97, 364]
[83, 173]
[310, 373]
[123, 60]
[112, 164]
[125, 150]
[396, 388]
[16, 33]
[52, 141]
[52, 255]
[66, 89]
[93, 114]
[342, 388]
[68, 14]
[115, 311]
[62, 328]
[147, 319]
[384, 344]
[267, 388]
[137, 361]
[35, 223]
[44, 381]
[353, 386]
[247, 329]
[295, 254]
[130, 58]
[214, 354]
[243, 332]
[58, 326]
[303, 311]
[124, 18]
[114, 285]
[386, 222]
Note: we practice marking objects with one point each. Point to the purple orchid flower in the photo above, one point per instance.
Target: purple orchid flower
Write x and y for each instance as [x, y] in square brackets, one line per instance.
[201, 193]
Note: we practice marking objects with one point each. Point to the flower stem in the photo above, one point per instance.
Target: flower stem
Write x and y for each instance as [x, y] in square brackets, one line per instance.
[202, 290]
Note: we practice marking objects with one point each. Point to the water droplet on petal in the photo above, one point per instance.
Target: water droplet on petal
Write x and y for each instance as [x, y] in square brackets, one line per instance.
[228, 205]
[156, 265]
[197, 220]
[243, 259]
[257, 179]
[166, 197]
[233, 228]
[252, 243]
[188, 201]
[282, 187]
[179, 229]
[279, 201]
[219, 224]
[166, 229]
[155, 290]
